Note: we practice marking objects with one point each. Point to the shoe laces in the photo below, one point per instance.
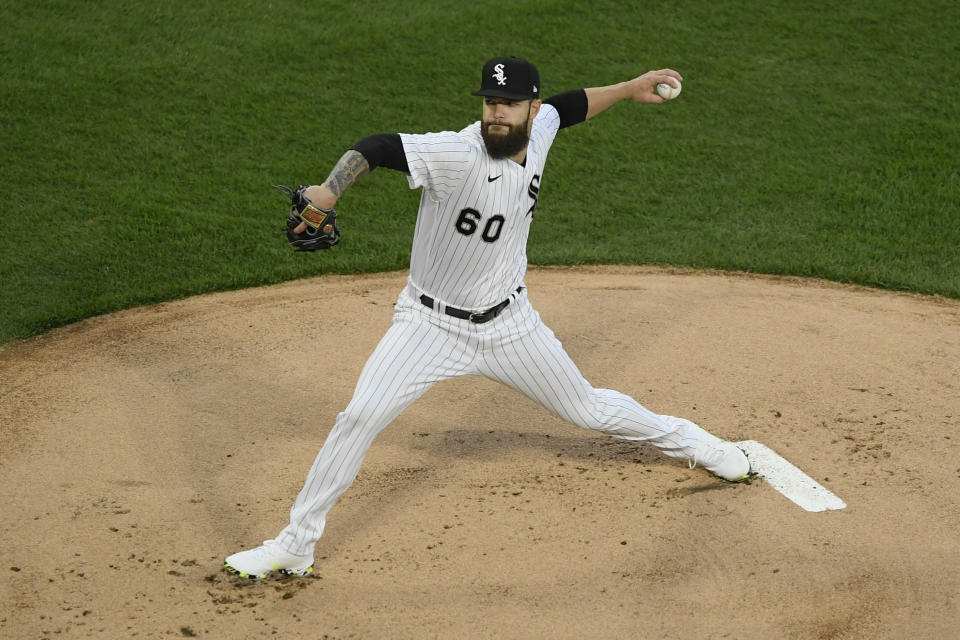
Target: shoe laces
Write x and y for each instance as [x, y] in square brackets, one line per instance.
[268, 547]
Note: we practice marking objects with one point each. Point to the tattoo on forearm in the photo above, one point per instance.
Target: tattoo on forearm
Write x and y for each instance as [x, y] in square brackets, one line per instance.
[349, 168]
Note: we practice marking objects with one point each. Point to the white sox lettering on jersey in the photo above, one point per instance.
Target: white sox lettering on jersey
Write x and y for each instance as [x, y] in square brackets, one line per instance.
[470, 241]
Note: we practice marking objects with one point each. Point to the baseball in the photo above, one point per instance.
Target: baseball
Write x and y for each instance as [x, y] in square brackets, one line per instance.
[667, 92]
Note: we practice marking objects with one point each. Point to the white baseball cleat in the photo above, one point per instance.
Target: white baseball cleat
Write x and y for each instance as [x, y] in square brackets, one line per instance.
[722, 459]
[258, 563]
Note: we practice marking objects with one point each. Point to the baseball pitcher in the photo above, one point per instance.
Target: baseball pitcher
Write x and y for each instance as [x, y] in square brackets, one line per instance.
[464, 310]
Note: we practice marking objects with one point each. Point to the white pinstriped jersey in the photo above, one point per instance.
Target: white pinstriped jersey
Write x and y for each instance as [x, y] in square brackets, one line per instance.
[470, 242]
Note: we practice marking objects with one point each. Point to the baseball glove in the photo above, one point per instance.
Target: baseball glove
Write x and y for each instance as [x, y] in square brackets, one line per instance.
[322, 231]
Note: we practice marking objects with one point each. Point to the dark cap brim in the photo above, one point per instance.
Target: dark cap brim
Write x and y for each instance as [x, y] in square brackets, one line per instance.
[498, 93]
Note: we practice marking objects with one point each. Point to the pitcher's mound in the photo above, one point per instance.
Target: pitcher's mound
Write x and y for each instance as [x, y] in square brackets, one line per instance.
[139, 449]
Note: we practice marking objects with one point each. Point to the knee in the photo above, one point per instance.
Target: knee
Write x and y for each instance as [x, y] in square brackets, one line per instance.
[360, 419]
[589, 412]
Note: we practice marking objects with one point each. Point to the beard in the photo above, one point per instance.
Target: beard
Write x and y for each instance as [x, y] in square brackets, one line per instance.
[507, 144]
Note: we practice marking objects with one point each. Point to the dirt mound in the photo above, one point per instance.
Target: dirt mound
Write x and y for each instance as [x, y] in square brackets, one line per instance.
[139, 449]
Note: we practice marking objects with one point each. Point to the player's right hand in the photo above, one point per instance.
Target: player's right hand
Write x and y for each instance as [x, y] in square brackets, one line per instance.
[644, 88]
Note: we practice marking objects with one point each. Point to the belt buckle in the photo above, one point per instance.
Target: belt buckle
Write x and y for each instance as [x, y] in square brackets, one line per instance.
[484, 316]
[488, 315]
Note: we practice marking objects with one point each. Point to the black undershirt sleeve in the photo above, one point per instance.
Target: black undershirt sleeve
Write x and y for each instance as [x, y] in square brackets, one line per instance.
[383, 149]
[571, 105]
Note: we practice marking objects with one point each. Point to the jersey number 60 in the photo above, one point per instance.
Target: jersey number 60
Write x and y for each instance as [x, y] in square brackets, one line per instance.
[469, 221]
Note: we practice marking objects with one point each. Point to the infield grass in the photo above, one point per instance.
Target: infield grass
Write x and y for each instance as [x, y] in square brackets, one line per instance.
[140, 139]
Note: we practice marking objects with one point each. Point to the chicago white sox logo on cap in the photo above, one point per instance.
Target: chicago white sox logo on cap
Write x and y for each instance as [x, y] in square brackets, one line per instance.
[499, 75]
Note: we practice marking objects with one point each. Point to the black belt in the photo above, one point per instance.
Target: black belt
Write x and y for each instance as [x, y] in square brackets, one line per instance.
[477, 318]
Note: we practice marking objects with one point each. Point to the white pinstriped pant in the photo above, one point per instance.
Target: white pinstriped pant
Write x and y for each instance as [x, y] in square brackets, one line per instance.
[423, 347]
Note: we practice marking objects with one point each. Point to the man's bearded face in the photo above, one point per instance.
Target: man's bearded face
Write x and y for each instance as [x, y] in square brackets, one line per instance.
[503, 138]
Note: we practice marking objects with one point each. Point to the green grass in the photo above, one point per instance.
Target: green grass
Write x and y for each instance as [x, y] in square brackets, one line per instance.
[138, 141]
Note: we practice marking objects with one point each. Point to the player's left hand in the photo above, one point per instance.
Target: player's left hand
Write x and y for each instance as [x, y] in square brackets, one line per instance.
[309, 227]
[644, 88]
